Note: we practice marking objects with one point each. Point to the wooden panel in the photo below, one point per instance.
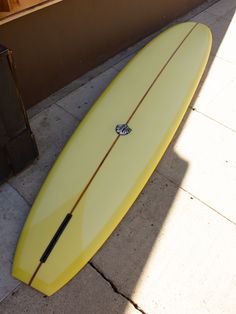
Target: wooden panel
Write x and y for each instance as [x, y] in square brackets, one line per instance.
[13, 9]
[8, 5]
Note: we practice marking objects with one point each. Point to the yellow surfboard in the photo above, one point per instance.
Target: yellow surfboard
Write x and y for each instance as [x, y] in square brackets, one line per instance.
[110, 157]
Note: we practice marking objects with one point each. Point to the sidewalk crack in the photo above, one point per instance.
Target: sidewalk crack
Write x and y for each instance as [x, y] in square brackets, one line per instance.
[115, 289]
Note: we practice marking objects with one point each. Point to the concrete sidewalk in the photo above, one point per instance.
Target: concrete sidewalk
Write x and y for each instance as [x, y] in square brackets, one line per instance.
[174, 252]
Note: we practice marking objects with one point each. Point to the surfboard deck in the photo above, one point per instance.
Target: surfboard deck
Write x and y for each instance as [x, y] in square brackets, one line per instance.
[109, 158]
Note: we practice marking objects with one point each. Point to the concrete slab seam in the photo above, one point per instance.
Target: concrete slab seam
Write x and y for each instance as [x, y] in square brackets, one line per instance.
[11, 293]
[12, 186]
[196, 198]
[61, 107]
[230, 62]
[212, 119]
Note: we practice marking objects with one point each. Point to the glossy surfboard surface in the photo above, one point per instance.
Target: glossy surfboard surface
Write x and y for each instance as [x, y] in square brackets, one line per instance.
[101, 171]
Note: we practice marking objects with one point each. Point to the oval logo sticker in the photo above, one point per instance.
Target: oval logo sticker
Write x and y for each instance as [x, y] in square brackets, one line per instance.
[123, 129]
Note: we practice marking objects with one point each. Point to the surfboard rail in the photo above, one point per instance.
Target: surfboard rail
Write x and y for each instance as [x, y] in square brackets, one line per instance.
[110, 157]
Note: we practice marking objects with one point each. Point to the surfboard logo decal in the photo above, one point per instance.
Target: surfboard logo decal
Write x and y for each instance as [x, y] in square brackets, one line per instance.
[123, 129]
